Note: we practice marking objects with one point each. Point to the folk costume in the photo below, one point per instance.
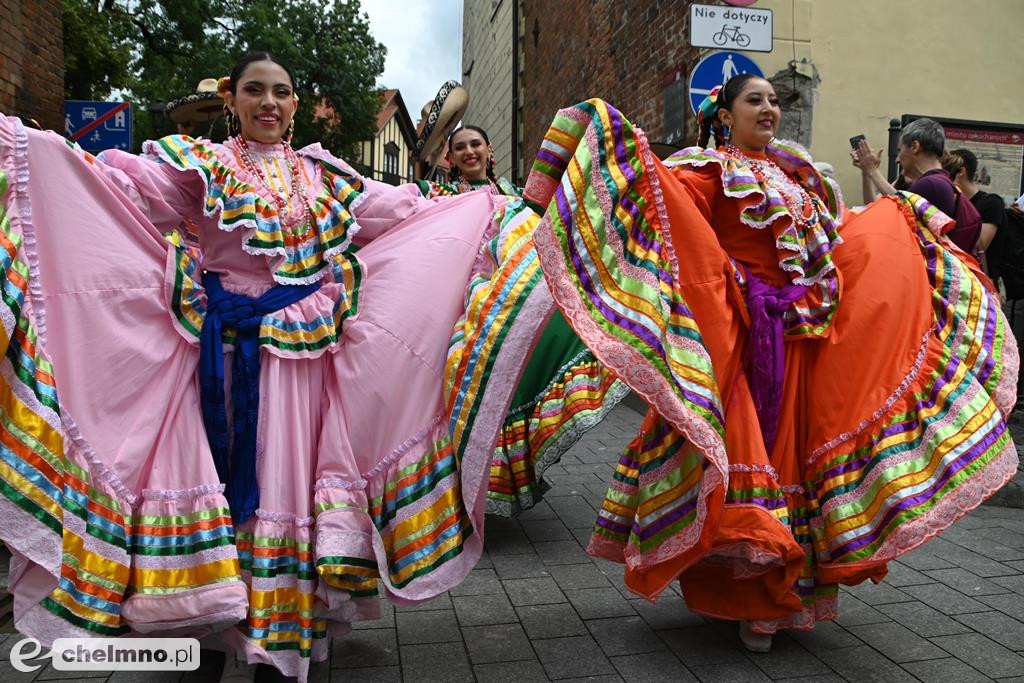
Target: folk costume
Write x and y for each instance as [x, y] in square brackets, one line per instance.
[247, 449]
[562, 393]
[827, 391]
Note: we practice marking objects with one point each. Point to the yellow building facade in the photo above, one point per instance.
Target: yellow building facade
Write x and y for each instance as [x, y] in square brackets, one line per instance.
[881, 59]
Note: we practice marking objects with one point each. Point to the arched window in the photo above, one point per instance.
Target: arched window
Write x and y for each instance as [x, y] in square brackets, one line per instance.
[391, 163]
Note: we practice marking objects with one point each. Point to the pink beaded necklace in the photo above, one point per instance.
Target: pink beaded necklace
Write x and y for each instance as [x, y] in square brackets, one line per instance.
[298, 221]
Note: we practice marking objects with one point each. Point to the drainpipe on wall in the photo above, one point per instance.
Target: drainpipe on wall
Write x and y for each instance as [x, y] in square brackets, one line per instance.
[895, 126]
[515, 93]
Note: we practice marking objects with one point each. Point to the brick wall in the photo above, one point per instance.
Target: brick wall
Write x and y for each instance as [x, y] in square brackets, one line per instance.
[633, 54]
[32, 60]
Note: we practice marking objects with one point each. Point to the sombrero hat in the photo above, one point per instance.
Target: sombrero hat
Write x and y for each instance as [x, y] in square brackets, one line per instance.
[440, 117]
[202, 105]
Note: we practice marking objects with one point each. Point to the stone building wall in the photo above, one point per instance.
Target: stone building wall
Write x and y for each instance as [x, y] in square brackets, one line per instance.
[487, 74]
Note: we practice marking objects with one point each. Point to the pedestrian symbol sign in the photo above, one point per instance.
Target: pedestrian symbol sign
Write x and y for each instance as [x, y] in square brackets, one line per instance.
[97, 126]
[716, 69]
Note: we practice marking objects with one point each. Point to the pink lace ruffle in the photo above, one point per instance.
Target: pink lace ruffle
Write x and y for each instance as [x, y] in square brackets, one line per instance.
[183, 494]
[766, 468]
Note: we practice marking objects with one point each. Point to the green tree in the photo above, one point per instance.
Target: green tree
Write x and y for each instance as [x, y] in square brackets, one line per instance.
[173, 44]
[98, 40]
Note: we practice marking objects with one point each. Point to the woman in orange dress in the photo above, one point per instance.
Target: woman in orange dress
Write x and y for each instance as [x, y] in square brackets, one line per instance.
[827, 391]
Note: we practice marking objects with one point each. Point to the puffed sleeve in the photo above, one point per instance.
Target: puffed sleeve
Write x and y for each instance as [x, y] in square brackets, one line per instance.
[165, 194]
[377, 207]
[703, 186]
[384, 206]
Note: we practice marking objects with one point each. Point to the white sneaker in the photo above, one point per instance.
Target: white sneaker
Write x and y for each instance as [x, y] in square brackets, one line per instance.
[755, 642]
[237, 670]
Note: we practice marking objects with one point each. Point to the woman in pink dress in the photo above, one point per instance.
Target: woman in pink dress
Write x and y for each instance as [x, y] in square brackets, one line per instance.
[315, 462]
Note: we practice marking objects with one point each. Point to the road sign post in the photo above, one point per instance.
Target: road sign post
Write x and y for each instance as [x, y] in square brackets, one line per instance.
[731, 28]
[716, 69]
[97, 126]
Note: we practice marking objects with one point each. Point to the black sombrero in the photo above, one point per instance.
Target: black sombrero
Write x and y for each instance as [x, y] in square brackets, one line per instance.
[440, 118]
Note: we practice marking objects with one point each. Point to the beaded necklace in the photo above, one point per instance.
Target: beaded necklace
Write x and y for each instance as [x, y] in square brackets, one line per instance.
[798, 201]
[299, 221]
[466, 186]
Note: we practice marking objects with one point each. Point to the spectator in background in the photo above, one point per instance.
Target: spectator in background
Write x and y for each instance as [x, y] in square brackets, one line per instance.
[989, 205]
[826, 169]
[921, 147]
[920, 158]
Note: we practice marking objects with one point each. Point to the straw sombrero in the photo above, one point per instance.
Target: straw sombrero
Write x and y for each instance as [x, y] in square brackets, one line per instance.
[202, 105]
[440, 117]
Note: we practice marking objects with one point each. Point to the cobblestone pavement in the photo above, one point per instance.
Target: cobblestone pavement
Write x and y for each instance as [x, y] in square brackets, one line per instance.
[538, 608]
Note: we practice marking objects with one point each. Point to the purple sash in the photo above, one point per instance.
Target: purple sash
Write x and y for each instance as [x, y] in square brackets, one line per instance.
[766, 367]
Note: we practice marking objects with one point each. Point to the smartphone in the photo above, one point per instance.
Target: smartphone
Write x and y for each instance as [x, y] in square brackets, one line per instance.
[855, 141]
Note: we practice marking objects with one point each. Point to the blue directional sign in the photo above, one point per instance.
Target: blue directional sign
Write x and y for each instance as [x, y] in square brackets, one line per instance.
[97, 126]
[716, 69]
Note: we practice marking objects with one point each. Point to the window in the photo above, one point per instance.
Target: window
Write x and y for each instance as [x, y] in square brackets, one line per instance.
[391, 163]
[391, 158]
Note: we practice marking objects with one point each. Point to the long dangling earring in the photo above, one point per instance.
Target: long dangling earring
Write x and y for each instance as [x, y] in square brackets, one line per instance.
[454, 174]
[231, 122]
[490, 167]
[727, 133]
[290, 132]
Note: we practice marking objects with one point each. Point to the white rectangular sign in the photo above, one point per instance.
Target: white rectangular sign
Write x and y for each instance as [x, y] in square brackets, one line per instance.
[731, 28]
[125, 654]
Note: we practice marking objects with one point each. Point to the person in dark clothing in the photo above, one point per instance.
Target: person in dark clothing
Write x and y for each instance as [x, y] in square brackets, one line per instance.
[989, 205]
[920, 155]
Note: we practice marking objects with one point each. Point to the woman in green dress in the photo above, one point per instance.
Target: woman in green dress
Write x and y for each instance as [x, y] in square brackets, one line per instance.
[470, 157]
[563, 391]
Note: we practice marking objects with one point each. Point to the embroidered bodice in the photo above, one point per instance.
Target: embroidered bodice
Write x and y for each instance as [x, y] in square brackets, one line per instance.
[781, 192]
[299, 237]
[270, 217]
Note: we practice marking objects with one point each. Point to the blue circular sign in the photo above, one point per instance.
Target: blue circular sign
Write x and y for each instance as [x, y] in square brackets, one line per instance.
[716, 69]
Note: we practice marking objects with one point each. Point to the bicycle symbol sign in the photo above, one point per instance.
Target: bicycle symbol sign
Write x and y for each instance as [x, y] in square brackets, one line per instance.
[739, 28]
[731, 33]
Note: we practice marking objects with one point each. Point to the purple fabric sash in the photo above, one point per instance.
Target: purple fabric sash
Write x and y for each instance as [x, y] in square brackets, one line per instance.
[766, 368]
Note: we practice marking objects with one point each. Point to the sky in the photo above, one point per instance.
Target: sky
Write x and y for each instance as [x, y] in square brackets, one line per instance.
[424, 42]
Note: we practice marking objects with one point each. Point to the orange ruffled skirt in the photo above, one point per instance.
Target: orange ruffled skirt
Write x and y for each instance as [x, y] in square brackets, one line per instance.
[891, 427]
